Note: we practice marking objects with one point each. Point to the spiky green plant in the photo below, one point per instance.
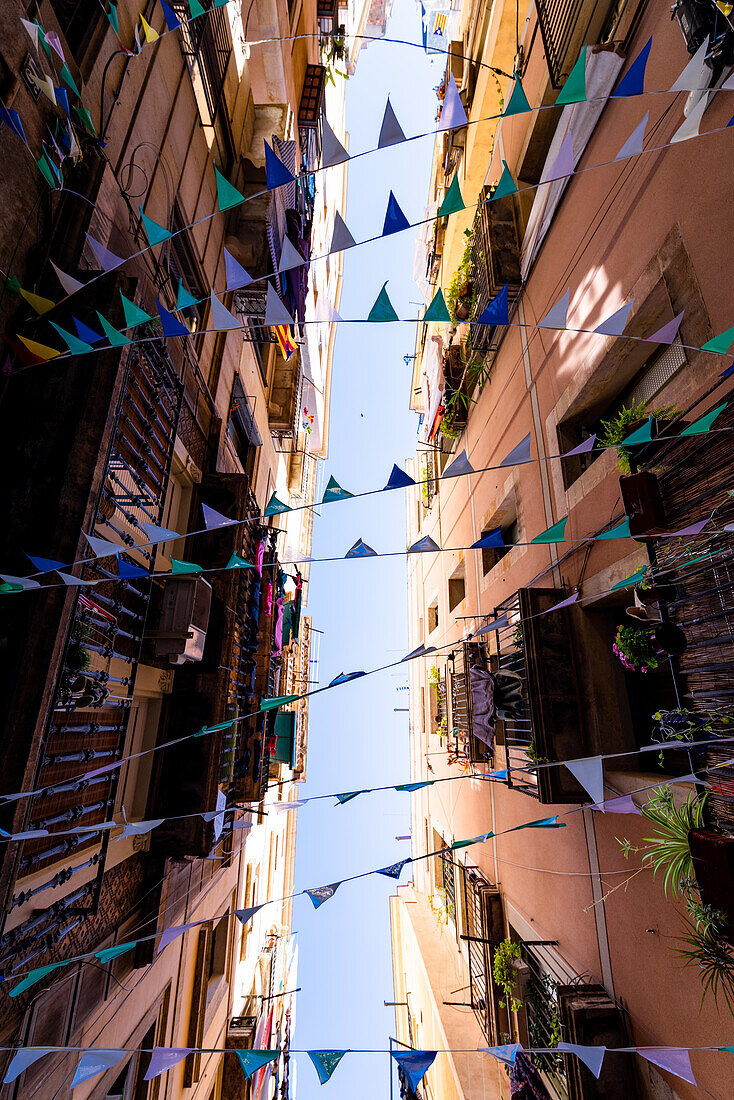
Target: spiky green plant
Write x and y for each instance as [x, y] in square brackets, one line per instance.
[669, 851]
[714, 957]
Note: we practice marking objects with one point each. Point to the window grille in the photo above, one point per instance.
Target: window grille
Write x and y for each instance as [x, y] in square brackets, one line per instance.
[311, 96]
[558, 20]
[662, 369]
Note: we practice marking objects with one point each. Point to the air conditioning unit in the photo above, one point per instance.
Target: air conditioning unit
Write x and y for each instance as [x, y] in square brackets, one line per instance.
[184, 620]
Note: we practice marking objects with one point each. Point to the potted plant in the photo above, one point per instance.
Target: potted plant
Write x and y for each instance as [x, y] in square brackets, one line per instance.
[636, 649]
[505, 973]
[629, 418]
[706, 949]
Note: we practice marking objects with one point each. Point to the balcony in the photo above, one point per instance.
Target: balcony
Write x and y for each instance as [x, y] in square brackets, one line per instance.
[473, 738]
[548, 725]
[495, 261]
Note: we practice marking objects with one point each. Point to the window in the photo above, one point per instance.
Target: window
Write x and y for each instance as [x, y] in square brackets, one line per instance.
[241, 428]
[184, 268]
[457, 588]
[492, 554]
[82, 24]
[207, 47]
[645, 386]
[433, 617]
[311, 95]
[218, 952]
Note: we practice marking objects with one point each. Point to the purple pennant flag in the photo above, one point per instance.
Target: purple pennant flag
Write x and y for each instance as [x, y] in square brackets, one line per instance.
[214, 519]
[497, 624]
[593, 1057]
[107, 260]
[694, 529]
[519, 454]
[563, 164]
[675, 1060]
[244, 915]
[94, 1062]
[320, 894]
[170, 934]
[616, 324]
[24, 1058]
[583, 448]
[668, 333]
[426, 545]
[165, 1058]
[564, 603]
[589, 772]
[623, 805]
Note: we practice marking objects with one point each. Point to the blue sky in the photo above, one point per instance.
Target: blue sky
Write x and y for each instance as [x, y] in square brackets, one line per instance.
[356, 739]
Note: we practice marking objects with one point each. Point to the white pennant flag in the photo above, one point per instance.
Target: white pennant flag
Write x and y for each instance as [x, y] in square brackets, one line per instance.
[558, 315]
[70, 285]
[275, 311]
[691, 126]
[332, 150]
[696, 74]
[617, 323]
[593, 1057]
[290, 257]
[633, 145]
[589, 772]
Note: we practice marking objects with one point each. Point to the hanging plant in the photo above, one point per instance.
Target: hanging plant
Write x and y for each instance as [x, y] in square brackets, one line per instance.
[504, 973]
[636, 649]
[628, 419]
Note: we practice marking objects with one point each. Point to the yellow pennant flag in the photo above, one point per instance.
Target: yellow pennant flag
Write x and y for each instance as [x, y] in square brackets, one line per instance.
[41, 305]
[39, 350]
[150, 34]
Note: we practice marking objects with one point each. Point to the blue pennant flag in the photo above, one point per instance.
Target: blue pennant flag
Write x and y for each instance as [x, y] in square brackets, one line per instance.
[395, 869]
[360, 550]
[399, 479]
[491, 538]
[345, 677]
[498, 310]
[84, 332]
[46, 565]
[395, 219]
[320, 894]
[414, 1064]
[633, 81]
[276, 173]
[171, 325]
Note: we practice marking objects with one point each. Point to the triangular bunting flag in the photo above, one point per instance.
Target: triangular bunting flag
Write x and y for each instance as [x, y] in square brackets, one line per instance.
[453, 114]
[553, 534]
[395, 869]
[705, 422]
[213, 519]
[46, 565]
[490, 539]
[34, 976]
[94, 1062]
[344, 678]
[691, 126]
[498, 310]
[452, 202]
[460, 465]
[589, 772]
[361, 550]
[696, 75]
[39, 304]
[574, 90]
[564, 603]
[68, 79]
[341, 237]
[41, 351]
[151, 35]
[185, 566]
[275, 311]
[26, 1056]
[642, 434]
[32, 29]
[114, 338]
[155, 233]
[156, 534]
[290, 257]
[134, 315]
[347, 796]
[184, 299]
[107, 954]
[334, 491]
[245, 915]
[421, 651]
[633, 81]
[20, 584]
[518, 102]
[221, 320]
[169, 935]
[426, 545]
[320, 894]
[276, 173]
[237, 562]
[562, 166]
[44, 167]
[277, 701]
[409, 788]
[668, 332]
[172, 21]
[632, 580]
[274, 506]
[398, 479]
[624, 804]
[382, 310]
[414, 1064]
[332, 150]
[616, 324]
[73, 343]
[437, 310]
[506, 1054]
[102, 548]
[171, 325]
[164, 1058]
[720, 343]
[107, 260]
[506, 185]
[325, 1062]
[557, 317]
[253, 1060]
[234, 272]
[583, 448]
[84, 332]
[675, 1060]
[621, 531]
[325, 311]
[518, 455]
[633, 146]
[395, 219]
[196, 9]
[70, 285]
[497, 624]
[391, 132]
[227, 195]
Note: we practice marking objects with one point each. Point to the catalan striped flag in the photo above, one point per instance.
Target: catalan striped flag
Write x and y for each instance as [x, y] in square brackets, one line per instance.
[285, 340]
[439, 27]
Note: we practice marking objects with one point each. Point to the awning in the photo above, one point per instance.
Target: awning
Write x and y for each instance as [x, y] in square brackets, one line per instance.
[285, 734]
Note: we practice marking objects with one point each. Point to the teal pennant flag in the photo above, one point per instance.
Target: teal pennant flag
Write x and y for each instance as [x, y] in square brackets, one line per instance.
[325, 1062]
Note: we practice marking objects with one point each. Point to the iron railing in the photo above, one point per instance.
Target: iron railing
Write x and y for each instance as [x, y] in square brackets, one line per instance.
[558, 21]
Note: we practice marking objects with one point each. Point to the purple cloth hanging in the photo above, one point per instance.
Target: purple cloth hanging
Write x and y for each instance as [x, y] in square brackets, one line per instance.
[481, 684]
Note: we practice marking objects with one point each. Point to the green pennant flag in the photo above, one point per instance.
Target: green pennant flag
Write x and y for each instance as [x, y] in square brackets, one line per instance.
[277, 701]
[518, 104]
[325, 1062]
[107, 954]
[382, 310]
[134, 315]
[112, 16]
[642, 434]
[334, 491]
[347, 796]
[236, 562]
[574, 90]
[253, 1060]
[155, 233]
[452, 202]
[44, 168]
[185, 567]
[227, 195]
[621, 531]
[68, 79]
[34, 976]
[632, 580]
[73, 343]
[196, 9]
[553, 534]
[275, 506]
[86, 120]
[437, 310]
[505, 186]
[213, 729]
[474, 840]
[116, 339]
[720, 343]
[699, 427]
[184, 298]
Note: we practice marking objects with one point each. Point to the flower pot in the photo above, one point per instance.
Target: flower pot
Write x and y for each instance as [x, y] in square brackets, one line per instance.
[713, 863]
[642, 503]
[462, 311]
[671, 639]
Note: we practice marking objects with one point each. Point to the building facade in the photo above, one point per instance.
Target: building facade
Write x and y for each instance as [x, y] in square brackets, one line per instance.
[128, 111]
[585, 940]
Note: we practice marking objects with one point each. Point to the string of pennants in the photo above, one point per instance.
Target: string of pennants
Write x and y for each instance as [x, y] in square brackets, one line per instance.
[414, 1063]
[460, 466]
[320, 894]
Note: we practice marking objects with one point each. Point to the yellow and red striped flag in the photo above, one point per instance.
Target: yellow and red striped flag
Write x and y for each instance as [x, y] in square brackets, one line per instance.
[285, 340]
